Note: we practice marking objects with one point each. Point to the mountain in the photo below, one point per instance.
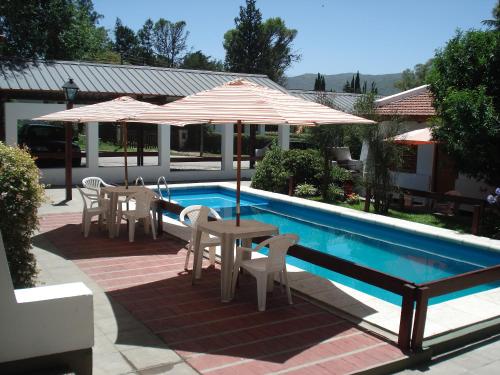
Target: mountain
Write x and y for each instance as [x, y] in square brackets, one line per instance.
[384, 82]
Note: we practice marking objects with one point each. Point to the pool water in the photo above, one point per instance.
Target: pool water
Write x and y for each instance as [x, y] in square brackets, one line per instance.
[410, 256]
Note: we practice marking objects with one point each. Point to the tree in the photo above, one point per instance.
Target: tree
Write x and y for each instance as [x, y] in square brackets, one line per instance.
[495, 22]
[145, 40]
[198, 60]
[254, 46]
[357, 86]
[465, 82]
[170, 40]
[126, 43]
[52, 29]
[415, 77]
[319, 83]
[347, 87]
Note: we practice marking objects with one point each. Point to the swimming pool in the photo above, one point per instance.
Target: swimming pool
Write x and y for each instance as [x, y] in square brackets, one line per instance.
[414, 257]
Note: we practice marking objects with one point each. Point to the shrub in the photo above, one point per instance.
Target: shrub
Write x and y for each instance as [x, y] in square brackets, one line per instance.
[20, 196]
[335, 193]
[340, 175]
[352, 199]
[304, 165]
[271, 174]
[305, 190]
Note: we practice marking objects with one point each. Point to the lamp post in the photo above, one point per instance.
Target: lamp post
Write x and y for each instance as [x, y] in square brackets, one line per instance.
[70, 91]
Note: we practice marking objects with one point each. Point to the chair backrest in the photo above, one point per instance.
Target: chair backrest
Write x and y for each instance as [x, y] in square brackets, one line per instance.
[93, 183]
[197, 213]
[85, 197]
[278, 247]
[143, 199]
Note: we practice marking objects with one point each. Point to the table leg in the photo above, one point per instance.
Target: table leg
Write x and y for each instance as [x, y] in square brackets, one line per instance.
[196, 256]
[270, 282]
[227, 263]
[112, 215]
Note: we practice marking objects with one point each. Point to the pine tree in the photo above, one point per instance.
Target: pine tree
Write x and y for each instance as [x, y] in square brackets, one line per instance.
[319, 83]
[363, 90]
[357, 86]
[352, 84]
[347, 87]
[374, 89]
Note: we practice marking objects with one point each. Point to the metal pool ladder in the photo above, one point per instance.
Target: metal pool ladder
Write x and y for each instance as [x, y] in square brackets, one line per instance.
[139, 180]
[162, 179]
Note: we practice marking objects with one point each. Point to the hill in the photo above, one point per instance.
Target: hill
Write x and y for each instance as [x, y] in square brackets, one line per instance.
[384, 82]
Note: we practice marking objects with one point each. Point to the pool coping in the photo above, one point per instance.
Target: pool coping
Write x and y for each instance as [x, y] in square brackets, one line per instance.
[400, 224]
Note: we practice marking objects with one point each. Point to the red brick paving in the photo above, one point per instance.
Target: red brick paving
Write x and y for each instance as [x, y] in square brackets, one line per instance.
[148, 279]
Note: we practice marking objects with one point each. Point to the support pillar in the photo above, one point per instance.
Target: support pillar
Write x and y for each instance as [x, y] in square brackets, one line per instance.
[92, 146]
[262, 129]
[227, 147]
[284, 137]
[164, 147]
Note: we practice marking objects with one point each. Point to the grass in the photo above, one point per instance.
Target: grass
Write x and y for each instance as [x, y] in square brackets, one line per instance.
[460, 222]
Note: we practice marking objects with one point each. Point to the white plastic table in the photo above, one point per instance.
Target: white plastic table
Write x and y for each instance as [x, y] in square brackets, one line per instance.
[228, 232]
[114, 192]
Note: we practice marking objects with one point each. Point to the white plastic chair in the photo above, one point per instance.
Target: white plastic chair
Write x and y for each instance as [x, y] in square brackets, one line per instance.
[199, 214]
[89, 212]
[143, 200]
[94, 184]
[261, 268]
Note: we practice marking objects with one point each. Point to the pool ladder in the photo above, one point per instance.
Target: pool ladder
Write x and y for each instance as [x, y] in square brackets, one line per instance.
[139, 180]
[162, 180]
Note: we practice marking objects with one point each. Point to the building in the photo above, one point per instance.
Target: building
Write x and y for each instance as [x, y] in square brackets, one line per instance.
[33, 88]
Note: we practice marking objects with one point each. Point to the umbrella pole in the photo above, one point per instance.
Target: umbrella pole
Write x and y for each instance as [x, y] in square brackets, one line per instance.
[238, 173]
[125, 139]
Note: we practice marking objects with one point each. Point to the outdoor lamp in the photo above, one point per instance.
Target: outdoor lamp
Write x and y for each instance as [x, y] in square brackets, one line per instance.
[70, 90]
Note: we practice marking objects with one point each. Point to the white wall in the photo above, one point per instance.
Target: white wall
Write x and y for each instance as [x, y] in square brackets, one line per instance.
[24, 111]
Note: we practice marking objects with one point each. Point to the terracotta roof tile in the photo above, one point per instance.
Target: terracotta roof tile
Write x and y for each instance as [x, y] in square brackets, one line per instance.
[419, 104]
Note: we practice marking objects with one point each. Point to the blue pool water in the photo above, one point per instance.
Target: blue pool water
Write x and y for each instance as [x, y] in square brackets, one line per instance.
[413, 257]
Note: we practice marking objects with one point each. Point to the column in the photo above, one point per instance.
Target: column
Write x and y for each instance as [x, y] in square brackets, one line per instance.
[262, 129]
[284, 136]
[227, 147]
[164, 147]
[92, 146]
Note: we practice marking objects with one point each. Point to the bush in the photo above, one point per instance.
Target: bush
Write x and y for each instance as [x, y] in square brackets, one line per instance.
[20, 196]
[304, 165]
[352, 199]
[340, 175]
[305, 190]
[270, 173]
[335, 193]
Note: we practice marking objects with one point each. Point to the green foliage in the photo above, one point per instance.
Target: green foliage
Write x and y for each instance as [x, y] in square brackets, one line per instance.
[254, 46]
[465, 82]
[340, 175]
[352, 199]
[52, 29]
[304, 165]
[126, 43]
[319, 83]
[20, 196]
[335, 193]
[198, 60]
[415, 77]
[169, 40]
[305, 190]
[271, 174]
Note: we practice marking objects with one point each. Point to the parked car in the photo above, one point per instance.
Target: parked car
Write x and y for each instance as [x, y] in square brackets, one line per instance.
[47, 144]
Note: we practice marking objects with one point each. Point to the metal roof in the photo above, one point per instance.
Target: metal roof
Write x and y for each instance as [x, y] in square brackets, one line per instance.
[342, 101]
[116, 79]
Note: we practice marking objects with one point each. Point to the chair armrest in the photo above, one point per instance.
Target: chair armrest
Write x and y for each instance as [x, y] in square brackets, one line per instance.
[247, 249]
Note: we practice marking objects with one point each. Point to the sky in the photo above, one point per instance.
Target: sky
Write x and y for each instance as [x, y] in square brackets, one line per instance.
[334, 36]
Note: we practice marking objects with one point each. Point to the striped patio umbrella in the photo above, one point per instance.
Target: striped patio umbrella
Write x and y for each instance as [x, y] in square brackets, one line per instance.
[243, 102]
[115, 110]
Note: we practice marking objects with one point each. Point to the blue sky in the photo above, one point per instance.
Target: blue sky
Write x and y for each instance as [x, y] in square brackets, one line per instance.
[334, 36]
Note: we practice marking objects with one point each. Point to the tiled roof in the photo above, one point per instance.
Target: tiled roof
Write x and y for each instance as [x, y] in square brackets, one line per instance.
[116, 79]
[414, 102]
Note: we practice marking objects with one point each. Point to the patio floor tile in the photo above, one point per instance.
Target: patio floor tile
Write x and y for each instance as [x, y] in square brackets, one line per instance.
[148, 280]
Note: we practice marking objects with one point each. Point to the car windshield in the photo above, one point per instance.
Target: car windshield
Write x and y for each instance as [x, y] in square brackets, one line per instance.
[46, 133]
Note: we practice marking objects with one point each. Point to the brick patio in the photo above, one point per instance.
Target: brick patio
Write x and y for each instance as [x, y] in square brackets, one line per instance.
[147, 278]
